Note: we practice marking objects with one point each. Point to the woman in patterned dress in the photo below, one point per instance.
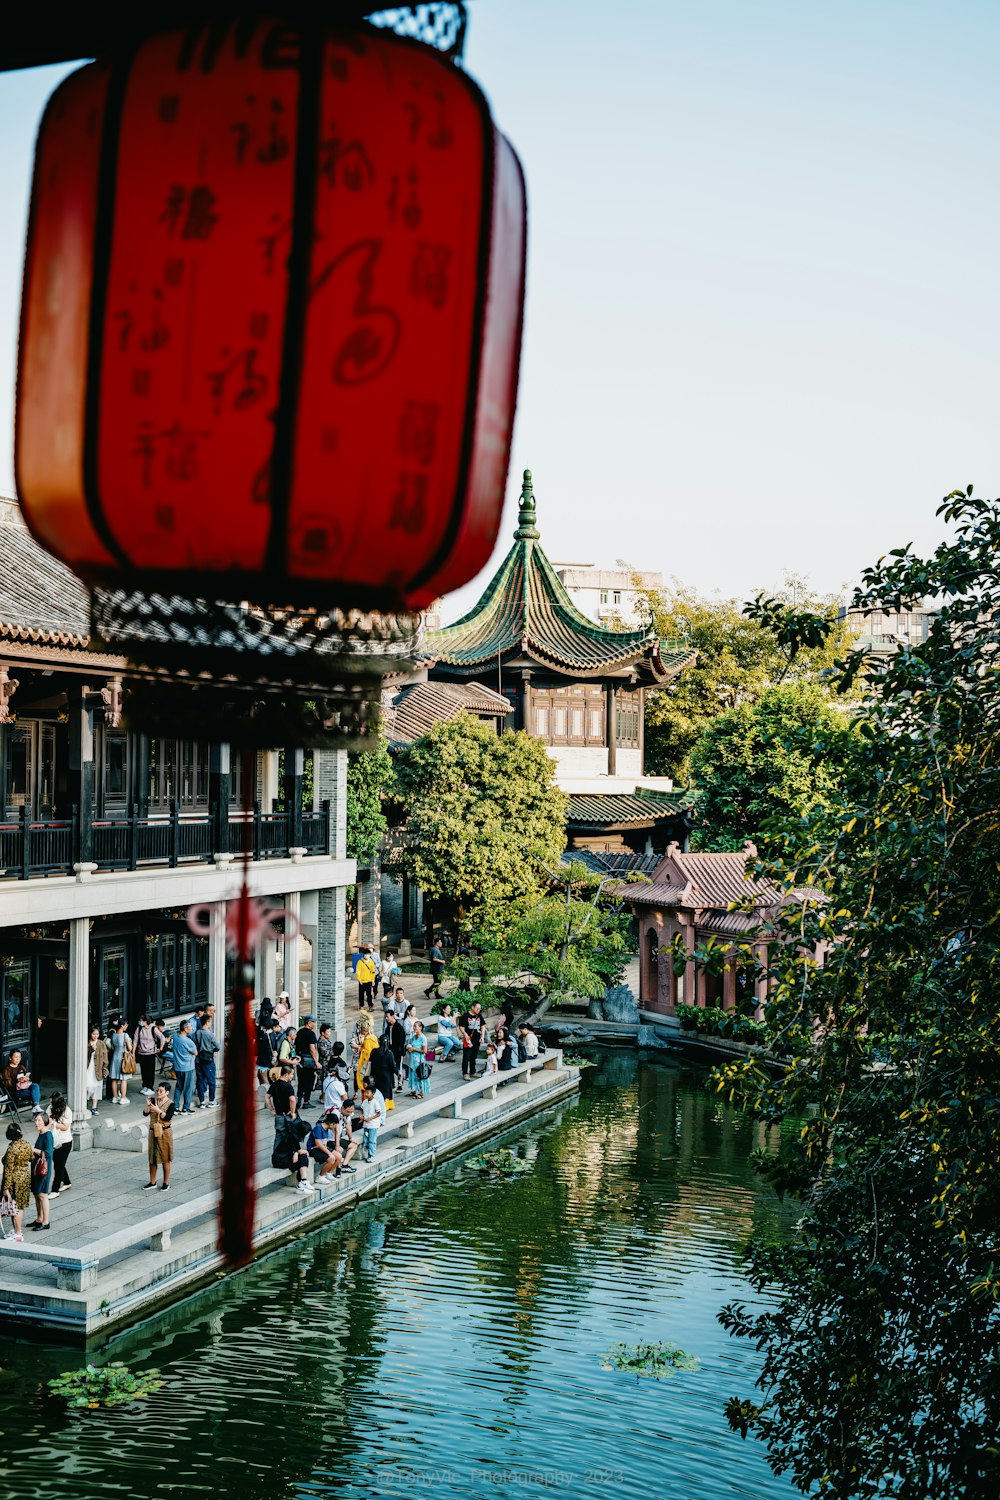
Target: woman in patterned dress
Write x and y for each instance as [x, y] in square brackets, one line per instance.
[15, 1188]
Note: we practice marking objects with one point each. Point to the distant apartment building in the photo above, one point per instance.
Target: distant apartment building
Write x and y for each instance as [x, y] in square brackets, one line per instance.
[883, 631]
[608, 595]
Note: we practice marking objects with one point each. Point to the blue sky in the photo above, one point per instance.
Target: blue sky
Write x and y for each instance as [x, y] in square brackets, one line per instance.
[763, 306]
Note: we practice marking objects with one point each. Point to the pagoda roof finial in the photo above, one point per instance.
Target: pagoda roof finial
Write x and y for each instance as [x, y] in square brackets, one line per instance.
[526, 528]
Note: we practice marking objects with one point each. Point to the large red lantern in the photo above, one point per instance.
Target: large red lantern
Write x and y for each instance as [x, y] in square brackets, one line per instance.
[271, 321]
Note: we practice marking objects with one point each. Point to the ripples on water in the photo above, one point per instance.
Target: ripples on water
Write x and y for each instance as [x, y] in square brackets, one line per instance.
[448, 1342]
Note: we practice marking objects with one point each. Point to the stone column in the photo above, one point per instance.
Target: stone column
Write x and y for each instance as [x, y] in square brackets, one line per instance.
[217, 975]
[329, 958]
[330, 785]
[76, 1063]
[293, 948]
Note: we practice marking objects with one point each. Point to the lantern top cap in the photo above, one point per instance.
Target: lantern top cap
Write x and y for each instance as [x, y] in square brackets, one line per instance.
[526, 528]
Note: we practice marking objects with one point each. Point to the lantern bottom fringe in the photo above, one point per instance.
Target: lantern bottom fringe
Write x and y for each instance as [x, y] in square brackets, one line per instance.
[256, 676]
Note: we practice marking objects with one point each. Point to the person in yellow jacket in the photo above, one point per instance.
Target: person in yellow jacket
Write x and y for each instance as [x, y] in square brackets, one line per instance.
[367, 1043]
[365, 975]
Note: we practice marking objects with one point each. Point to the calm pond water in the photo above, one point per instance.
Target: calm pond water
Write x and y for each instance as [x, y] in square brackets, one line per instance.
[448, 1341]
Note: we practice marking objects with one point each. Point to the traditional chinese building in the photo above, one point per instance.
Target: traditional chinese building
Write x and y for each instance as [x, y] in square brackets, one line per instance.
[577, 685]
[108, 836]
[693, 903]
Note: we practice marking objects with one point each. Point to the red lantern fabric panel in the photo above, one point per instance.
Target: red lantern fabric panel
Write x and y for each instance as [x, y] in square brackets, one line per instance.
[475, 533]
[295, 313]
[195, 302]
[403, 168]
[55, 323]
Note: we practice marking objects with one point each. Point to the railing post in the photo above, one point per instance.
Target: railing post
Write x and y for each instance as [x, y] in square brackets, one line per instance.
[256, 830]
[175, 833]
[325, 840]
[74, 836]
[25, 823]
[133, 836]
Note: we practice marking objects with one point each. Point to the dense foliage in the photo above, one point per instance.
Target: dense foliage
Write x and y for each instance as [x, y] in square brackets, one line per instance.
[481, 816]
[369, 778]
[574, 940]
[763, 766]
[95, 1386]
[881, 1331]
[740, 654]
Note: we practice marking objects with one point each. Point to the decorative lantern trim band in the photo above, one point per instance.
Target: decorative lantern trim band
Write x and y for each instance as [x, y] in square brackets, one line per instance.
[289, 279]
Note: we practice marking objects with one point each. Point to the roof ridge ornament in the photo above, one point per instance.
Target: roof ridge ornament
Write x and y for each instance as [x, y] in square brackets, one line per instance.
[527, 530]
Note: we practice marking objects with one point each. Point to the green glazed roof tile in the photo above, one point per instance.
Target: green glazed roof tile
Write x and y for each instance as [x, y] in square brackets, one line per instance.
[526, 607]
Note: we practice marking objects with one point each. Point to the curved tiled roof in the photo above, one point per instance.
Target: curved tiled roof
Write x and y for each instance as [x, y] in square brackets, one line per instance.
[526, 608]
[41, 601]
[610, 809]
[418, 706]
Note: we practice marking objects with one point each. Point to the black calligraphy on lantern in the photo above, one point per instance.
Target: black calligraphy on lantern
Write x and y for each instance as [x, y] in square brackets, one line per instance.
[159, 333]
[440, 135]
[409, 504]
[168, 452]
[173, 271]
[270, 242]
[192, 210]
[418, 431]
[238, 383]
[412, 213]
[168, 108]
[269, 141]
[429, 272]
[345, 163]
[372, 342]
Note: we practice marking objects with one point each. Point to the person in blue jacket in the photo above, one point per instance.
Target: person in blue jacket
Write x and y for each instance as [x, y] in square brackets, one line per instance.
[184, 1052]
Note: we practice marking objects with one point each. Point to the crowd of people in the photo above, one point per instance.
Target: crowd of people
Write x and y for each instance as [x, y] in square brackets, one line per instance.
[356, 1084]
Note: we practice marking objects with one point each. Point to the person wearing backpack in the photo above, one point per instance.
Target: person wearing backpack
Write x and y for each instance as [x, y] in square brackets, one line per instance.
[287, 1151]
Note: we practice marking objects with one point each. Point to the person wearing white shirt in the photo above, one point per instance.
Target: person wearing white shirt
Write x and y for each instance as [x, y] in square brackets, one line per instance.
[492, 1062]
[374, 1116]
[388, 969]
[529, 1042]
[334, 1092]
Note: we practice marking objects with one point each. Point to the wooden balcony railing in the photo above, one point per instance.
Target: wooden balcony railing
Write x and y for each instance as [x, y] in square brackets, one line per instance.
[51, 846]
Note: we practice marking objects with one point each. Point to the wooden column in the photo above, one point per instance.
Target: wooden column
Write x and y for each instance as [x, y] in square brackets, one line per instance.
[219, 789]
[81, 772]
[294, 767]
[642, 731]
[610, 700]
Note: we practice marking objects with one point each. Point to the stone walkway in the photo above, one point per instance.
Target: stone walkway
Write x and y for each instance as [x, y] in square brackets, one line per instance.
[107, 1192]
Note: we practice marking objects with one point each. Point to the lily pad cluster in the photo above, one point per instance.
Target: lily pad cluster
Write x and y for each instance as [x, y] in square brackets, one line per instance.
[107, 1385]
[501, 1163]
[660, 1361]
[579, 1062]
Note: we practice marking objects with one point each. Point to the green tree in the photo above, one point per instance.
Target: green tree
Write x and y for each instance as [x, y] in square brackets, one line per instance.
[762, 767]
[369, 782]
[573, 941]
[478, 811]
[880, 1326]
[739, 656]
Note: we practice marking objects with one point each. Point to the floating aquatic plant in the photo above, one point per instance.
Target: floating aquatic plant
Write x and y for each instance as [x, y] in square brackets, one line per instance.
[500, 1164]
[659, 1360]
[578, 1062]
[108, 1385]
